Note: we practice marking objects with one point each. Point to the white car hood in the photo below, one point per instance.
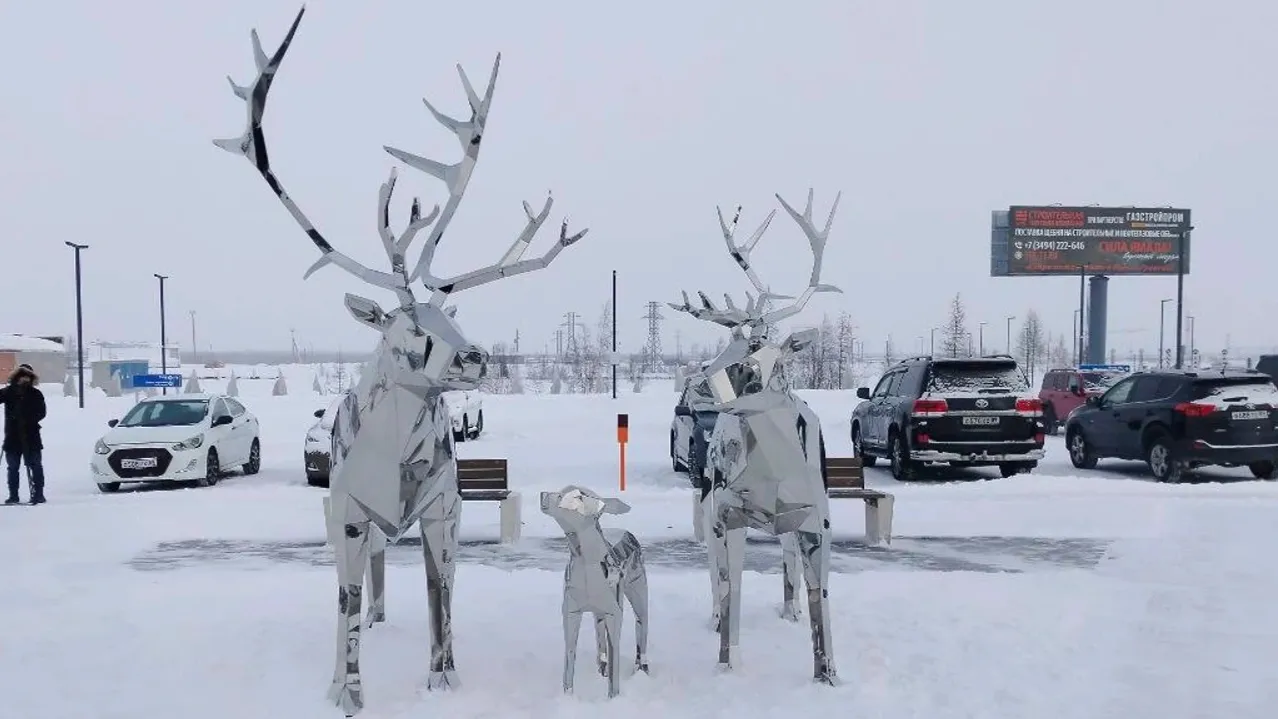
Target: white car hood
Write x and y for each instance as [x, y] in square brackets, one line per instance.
[152, 435]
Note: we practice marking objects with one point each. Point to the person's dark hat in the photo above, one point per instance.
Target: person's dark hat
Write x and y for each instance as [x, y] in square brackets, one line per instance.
[26, 367]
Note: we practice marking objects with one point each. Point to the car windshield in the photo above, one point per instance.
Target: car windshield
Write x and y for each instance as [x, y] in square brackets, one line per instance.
[1100, 381]
[975, 377]
[166, 413]
[699, 394]
[330, 414]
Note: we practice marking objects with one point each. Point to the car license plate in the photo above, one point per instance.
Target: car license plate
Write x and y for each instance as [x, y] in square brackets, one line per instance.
[980, 421]
[1257, 414]
[142, 463]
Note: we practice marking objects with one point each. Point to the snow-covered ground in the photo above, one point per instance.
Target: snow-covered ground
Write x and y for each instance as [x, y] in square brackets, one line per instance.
[1048, 595]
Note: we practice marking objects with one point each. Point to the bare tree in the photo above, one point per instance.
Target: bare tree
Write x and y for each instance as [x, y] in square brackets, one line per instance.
[1059, 356]
[889, 353]
[1031, 343]
[846, 344]
[954, 336]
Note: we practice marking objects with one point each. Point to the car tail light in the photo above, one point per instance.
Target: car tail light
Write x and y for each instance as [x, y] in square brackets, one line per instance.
[1038, 438]
[1193, 409]
[922, 439]
[1029, 405]
[930, 406]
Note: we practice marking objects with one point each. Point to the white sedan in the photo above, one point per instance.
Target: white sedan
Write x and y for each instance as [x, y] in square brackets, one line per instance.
[178, 438]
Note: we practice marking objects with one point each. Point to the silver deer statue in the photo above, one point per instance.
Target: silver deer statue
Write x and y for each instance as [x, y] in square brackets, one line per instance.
[764, 461]
[393, 454]
[602, 568]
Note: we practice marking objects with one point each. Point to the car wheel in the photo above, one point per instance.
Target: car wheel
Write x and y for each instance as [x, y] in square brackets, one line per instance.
[1050, 424]
[1080, 450]
[315, 481]
[903, 469]
[464, 433]
[212, 470]
[1011, 469]
[675, 464]
[255, 458]
[1263, 470]
[108, 487]
[695, 470]
[1162, 461]
[479, 425]
[858, 450]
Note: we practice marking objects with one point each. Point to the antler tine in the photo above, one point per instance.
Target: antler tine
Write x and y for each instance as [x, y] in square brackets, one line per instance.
[817, 240]
[707, 312]
[741, 253]
[396, 247]
[456, 176]
[252, 145]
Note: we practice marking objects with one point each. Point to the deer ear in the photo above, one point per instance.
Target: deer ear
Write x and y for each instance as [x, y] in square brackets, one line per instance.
[366, 311]
[797, 341]
[451, 310]
[614, 506]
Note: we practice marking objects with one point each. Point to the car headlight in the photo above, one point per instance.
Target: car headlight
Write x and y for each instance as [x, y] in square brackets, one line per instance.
[707, 434]
[101, 448]
[314, 438]
[192, 443]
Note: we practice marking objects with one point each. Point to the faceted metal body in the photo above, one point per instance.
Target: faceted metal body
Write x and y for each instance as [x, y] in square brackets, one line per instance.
[603, 567]
[392, 454]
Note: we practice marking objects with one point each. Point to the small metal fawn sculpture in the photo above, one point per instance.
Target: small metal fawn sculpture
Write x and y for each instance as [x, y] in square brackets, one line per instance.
[393, 455]
[764, 458]
[601, 569]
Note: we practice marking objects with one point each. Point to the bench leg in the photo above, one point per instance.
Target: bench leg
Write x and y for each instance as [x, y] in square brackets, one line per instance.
[328, 530]
[512, 523]
[698, 517]
[878, 520]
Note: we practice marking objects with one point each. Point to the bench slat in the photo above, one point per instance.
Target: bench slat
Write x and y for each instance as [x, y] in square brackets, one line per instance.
[844, 473]
[482, 484]
[489, 495]
[487, 464]
[855, 493]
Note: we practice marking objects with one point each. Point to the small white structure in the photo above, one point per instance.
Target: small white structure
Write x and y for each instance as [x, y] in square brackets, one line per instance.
[315, 386]
[233, 387]
[557, 384]
[281, 387]
[638, 386]
[516, 381]
[192, 384]
[112, 386]
[47, 357]
[679, 378]
[69, 387]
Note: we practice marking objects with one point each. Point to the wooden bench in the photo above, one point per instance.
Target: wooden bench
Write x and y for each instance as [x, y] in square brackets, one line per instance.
[845, 479]
[486, 480]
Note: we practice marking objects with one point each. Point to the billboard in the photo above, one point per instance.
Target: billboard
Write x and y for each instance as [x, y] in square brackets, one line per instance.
[1053, 240]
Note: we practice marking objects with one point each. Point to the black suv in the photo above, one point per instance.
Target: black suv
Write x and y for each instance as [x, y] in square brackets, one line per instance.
[1177, 420]
[969, 412]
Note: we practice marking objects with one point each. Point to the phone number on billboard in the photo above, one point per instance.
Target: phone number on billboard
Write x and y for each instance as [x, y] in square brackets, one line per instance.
[1057, 245]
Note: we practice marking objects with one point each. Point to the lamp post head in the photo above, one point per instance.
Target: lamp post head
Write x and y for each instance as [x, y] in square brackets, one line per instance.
[161, 277]
[74, 246]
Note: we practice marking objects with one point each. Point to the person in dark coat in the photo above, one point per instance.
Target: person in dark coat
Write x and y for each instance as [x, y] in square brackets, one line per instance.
[24, 409]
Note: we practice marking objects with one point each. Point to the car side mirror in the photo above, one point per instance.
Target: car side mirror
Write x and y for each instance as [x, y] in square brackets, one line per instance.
[683, 411]
[862, 392]
[1094, 401]
[222, 421]
[319, 414]
[113, 422]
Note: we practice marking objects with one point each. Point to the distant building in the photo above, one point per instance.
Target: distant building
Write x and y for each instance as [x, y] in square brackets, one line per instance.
[46, 356]
[134, 352]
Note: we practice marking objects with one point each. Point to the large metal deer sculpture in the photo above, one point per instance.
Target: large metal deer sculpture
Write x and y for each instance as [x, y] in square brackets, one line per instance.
[393, 458]
[764, 462]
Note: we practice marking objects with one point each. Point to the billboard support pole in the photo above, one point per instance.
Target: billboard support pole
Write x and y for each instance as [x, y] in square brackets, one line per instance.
[1082, 305]
[1180, 298]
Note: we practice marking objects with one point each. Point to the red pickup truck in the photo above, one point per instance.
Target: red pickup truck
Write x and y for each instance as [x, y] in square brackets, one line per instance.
[1065, 389]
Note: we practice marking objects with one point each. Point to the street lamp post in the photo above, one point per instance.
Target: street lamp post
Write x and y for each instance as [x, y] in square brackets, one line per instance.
[1009, 333]
[79, 323]
[932, 343]
[164, 338]
[980, 330]
[1078, 351]
[1191, 337]
[1162, 316]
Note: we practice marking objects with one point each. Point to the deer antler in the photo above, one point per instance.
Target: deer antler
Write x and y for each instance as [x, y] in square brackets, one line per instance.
[816, 239]
[252, 144]
[470, 134]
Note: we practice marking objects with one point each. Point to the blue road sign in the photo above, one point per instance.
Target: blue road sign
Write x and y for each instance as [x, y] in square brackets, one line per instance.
[157, 380]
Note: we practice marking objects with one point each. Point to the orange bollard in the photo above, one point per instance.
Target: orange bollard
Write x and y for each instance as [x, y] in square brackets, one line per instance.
[623, 436]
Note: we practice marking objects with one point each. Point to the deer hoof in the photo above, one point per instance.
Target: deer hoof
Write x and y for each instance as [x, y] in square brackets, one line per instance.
[443, 681]
[347, 695]
[789, 612]
[827, 677]
[374, 618]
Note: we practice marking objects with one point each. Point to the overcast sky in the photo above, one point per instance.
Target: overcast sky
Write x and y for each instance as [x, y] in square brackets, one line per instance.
[641, 118]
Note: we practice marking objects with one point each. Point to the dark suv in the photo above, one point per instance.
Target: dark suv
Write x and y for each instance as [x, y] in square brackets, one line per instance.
[968, 412]
[1177, 420]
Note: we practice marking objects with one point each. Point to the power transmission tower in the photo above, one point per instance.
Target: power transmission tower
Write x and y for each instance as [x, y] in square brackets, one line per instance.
[652, 350]
[570, 321]
[516, 341]
[678, 347]
[292, 334]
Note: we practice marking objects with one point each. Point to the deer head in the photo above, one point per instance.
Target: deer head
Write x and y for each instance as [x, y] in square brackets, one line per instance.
[421, 342]
[577, 508]
[753, 362]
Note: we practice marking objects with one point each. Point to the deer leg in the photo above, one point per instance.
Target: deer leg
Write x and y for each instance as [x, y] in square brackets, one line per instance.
[376, 581]
[714, 557]
[636, 590]
[439, 547]
[572, 630]
[612, 632]
[790, 574]
[815, 550]
[601, 645]
[732, 545]
[351, 549]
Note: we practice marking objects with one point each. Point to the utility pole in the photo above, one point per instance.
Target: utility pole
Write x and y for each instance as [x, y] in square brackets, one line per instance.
[559, 344]
[292, 334]
[612, 310]
[195, 349]
[1180, 299]
[1009, 334]
[570, 321]
[1162, 316]
[79, 322]
[652, 350]
[164, 340]
[980, 328]
[516, 341]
